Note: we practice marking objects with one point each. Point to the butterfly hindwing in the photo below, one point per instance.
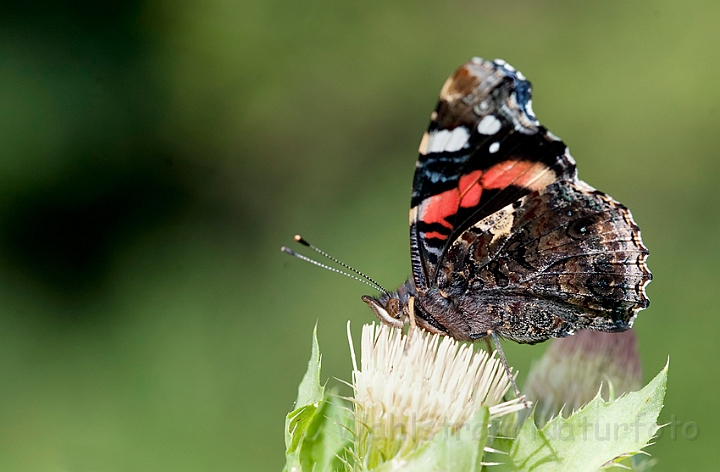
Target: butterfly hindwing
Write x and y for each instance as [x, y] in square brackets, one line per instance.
[567, 250]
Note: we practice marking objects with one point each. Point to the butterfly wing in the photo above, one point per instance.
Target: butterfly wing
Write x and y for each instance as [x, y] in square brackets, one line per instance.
[483, 150]
[562, 258]
[503, 234]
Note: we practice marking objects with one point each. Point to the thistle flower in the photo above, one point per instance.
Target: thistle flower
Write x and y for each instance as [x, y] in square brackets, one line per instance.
[573, 369]
[408, 389]
[424, 402]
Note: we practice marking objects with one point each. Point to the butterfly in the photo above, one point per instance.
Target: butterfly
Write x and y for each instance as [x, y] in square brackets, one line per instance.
[505, 239]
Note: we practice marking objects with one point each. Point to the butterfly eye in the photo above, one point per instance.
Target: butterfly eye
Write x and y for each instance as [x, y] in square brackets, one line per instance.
[393, 307]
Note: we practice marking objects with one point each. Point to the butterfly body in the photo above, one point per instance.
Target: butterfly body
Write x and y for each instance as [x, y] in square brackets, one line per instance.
[504, 237]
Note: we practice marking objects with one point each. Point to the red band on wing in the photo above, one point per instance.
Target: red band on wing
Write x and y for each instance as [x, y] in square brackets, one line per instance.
[436, 235]
[503, 174]
[438, 207]
[470, 189]
[537, 177]
[532, 175]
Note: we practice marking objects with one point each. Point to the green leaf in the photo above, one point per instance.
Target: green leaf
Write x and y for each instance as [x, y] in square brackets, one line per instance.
[328, 438]
[448, 450]
[318, 431]
[310, 396]
[596, 435]
[310, 390]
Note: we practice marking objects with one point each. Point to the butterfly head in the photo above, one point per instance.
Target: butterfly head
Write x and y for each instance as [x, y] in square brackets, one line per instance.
[392, 307]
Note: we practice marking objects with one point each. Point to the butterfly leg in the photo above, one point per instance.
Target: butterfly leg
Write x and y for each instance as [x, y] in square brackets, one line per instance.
[503, 359]
[489, 346]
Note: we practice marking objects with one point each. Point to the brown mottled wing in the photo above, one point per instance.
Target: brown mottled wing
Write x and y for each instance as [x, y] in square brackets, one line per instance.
[561, 258]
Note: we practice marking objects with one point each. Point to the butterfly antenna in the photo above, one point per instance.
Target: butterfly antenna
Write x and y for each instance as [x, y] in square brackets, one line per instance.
[302, 241]
[370, 282]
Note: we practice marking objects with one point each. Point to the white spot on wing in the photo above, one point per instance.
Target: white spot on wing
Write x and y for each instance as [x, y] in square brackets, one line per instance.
[448, 140]
[458, 139]
[529, 109]
[494, 147]
[489, 125]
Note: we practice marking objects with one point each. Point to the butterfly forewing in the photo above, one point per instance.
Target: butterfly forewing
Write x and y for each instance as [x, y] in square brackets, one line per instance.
[483, 150]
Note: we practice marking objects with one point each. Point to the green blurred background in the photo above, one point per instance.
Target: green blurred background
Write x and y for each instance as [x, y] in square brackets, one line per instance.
[156, 154]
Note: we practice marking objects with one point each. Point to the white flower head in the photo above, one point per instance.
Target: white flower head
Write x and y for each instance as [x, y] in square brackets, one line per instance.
[409, 388]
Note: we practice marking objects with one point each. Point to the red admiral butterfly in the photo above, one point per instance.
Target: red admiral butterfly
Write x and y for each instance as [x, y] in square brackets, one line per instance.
[504, 237]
